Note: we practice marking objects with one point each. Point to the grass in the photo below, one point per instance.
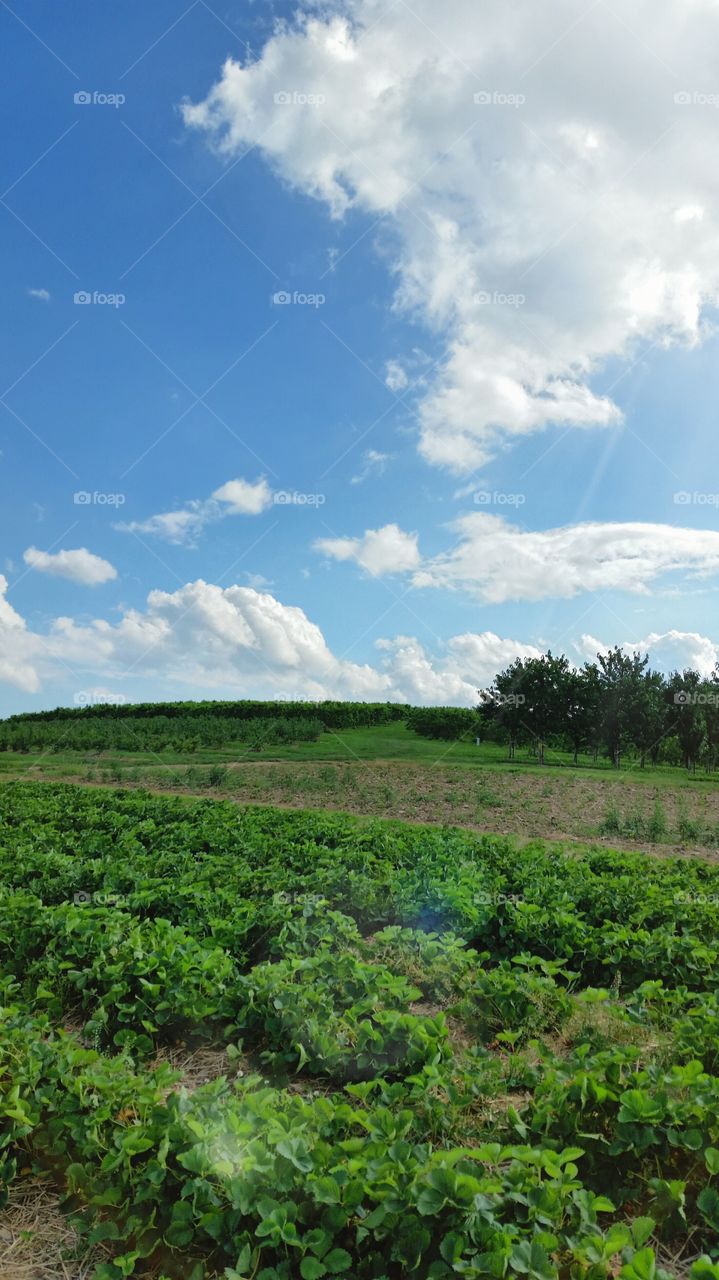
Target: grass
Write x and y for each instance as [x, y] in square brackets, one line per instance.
[390, 772]
[384, 742]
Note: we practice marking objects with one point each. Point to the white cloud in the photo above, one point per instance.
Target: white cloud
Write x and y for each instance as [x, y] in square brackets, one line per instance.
[183, 527]
[42, 295]
[79, 566]
[536, 239]
[373, 463]
[395, 376]
[469, 663]
[498, 561]
[242, 642]
[234, 638]
[179, 527]
[668, 651]
[379, 551]
[15, 647]
[243, 498]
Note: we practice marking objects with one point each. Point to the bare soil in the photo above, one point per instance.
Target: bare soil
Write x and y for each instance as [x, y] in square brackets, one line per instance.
[556, 806]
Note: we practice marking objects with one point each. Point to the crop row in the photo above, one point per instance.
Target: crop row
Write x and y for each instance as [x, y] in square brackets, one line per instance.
[454, 1056]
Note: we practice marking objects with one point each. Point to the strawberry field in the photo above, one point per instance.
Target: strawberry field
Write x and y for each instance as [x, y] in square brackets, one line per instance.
[446, 1055]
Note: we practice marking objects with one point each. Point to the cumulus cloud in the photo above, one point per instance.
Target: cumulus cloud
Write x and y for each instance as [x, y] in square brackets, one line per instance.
[378, 551]
[497, 561]
[79, 566]
[668, 651]
[205, 636]
[239, 641]
[243, 498]
[468, 663]
[15, 647]
[541, 218]
[183, 527]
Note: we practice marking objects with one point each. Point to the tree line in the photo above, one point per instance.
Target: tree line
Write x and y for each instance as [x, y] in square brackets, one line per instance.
[183, 734]
[616, 706]
[333, 713]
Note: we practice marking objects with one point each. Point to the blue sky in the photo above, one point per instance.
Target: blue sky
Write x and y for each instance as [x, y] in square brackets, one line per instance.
[398, 403]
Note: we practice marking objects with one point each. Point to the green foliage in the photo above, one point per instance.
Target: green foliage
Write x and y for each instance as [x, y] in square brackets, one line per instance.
[507, 999]
[453, 1055]
[446, 723]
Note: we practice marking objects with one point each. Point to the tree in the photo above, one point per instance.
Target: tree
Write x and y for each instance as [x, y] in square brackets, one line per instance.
[581, 714]
[545, 686]
[649, 716]
[621, 679]
[501, 706]
[711, 717]
[686, 713]
[448, 723]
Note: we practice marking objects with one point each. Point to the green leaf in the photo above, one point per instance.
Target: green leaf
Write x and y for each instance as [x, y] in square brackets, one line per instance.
[326, 1190]
[312, 1269]
[641, 1230]
[642, 1266]
[338, 1260]
[708, 1205]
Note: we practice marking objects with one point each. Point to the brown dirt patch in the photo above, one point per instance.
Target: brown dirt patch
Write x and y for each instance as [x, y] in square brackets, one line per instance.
[37, 1241]
[561, 805]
